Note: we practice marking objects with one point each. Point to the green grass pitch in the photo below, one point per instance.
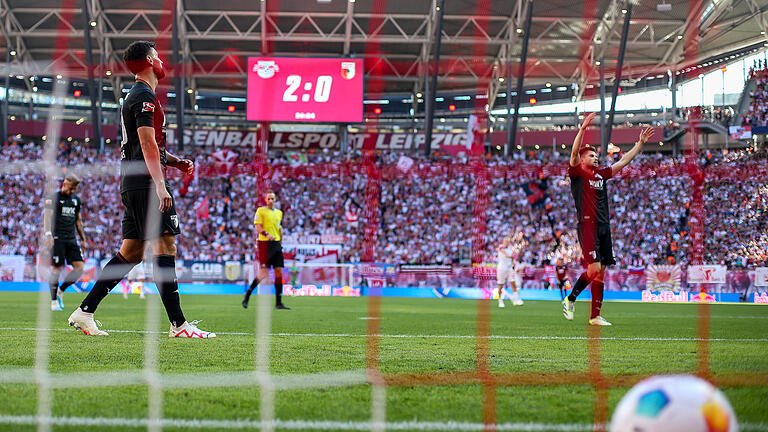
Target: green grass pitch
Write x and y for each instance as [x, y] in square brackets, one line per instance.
[325, 334]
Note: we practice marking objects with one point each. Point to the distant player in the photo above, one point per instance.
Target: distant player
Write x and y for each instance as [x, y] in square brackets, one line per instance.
[588, 187]
[60, 221]
[561, 278]
[150, 214]
[508, 271]
[268, 223]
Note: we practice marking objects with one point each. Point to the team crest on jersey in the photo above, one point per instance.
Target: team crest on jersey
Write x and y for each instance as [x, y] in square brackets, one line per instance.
[266, 68]
[148, 107]
[175, 221]
[347, 70]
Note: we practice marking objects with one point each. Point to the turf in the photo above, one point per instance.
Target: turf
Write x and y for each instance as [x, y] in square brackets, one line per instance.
[323, 334]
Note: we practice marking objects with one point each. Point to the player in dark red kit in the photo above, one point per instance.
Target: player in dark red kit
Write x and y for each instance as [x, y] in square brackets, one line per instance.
[150, 214]
[561, 278]
[588, 187]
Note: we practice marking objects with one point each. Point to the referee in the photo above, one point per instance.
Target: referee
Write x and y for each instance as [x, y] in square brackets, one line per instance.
[268, 224]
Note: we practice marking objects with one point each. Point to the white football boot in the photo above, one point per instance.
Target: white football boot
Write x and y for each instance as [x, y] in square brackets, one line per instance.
[84, 322]
[190, 330]
[568, 308]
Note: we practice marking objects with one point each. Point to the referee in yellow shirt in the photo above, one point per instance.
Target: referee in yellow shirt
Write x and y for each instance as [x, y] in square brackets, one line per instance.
[268, 224]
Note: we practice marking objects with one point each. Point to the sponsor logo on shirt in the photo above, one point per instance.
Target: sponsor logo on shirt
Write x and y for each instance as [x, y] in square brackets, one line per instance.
[148, 107]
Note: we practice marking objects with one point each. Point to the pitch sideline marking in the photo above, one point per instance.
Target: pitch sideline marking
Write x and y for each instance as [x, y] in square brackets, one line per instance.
[433, 336]
[314, 424]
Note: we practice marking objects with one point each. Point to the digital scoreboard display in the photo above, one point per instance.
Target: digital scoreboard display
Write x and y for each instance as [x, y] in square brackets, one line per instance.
[318, 90]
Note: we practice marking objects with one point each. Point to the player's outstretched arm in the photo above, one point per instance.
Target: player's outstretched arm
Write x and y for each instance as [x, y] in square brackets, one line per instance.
[645, 135]
[575, 159]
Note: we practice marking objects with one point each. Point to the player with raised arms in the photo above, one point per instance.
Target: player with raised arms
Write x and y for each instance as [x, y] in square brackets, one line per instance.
[150, 213]
[590, 195]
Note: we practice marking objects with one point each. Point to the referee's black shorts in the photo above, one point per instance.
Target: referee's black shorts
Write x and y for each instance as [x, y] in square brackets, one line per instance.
[142, 208]
[596, 244]
[65, 252]
[271, 254]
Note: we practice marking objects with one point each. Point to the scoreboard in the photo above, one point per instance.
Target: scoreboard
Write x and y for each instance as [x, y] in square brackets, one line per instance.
[317, 90]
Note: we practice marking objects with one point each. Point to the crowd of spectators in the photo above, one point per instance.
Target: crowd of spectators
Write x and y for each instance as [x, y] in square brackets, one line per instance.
[426, 213]
[757, 113]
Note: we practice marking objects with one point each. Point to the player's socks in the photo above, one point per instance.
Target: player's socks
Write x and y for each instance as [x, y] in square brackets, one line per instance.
[53, 284]
[110, 276]
[249, 291]
[71, 279]
[597, 298]
[578, 287]
[278, 290]
[168, 286]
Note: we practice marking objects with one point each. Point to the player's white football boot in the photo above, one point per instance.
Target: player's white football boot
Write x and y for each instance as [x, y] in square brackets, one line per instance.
[518, 302]
[55, 305]
[599, 321]
[190, 330]
[60, 299]
[84, 322]
[568, 308]
[501, 303]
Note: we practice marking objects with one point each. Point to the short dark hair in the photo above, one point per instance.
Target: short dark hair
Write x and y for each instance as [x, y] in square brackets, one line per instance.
[136, 54]
[587, 148]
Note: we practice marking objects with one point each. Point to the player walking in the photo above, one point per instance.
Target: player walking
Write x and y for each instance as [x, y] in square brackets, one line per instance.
[507, 270]
[268, 223]
[60, 221]
[150, 214]
[561, 278]
[588, 187]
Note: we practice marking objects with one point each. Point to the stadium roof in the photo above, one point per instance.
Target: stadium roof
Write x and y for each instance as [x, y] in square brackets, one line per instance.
[394, 37]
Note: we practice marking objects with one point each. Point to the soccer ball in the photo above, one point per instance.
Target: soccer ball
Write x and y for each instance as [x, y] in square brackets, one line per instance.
[674, 403]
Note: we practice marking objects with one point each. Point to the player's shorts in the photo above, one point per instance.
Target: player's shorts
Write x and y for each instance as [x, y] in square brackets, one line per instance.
[271, 254]
[65, 251]
[506, 274]
[141, 207]
[596, 244]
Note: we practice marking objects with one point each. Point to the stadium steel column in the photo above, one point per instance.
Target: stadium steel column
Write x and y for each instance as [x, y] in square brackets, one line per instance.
[603, 149]
[520, 77]
[508, 74]
[617, 80]
[96, 122]
[178, 71]
[431, 91]
[4, 120]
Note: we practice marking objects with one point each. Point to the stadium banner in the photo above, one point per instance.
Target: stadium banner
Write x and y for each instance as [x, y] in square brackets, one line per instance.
[740, 132]
[12, 268]
[707, 274]
[308, 252]
[663, 277]
[315, 238]
[761, 277]
[451, 143]
[394, 291]
[426, 268]
[193, 271]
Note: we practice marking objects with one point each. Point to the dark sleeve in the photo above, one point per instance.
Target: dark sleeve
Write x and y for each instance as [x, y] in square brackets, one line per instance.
[606, 172]
[143, 108]
[78, 207]
[574, 171]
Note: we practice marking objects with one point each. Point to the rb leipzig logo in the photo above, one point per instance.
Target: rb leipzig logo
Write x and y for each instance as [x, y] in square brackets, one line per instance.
[266, 68]
[348, 70]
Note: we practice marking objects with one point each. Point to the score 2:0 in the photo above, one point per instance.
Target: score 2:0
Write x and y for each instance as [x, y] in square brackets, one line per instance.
[322, 88]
